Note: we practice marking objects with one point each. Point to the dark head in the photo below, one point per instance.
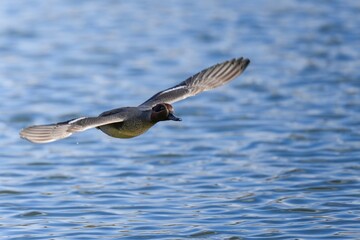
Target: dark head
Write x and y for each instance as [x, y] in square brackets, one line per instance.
[163, 112]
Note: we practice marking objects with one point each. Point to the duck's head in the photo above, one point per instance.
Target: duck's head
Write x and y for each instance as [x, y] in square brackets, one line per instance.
[163, 112]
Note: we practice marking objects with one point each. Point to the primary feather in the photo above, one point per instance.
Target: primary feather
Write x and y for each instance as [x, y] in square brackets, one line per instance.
[207, 79]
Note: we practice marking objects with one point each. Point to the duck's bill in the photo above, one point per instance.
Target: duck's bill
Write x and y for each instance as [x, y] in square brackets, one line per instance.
[173, 117]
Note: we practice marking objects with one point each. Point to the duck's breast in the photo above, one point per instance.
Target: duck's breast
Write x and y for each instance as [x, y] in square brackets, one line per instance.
[127, 129]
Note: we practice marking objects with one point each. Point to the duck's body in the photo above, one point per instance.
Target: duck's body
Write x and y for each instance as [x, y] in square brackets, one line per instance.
[136, 123]
[128, 122]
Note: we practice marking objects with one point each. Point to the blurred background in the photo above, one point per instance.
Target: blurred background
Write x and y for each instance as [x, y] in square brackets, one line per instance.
[272, 155]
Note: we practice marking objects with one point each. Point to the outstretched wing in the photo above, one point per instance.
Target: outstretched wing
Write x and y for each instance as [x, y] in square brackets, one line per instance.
[207, 79]
[54, 132]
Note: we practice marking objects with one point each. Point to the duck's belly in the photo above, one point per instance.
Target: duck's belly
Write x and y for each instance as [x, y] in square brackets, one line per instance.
[125, 130]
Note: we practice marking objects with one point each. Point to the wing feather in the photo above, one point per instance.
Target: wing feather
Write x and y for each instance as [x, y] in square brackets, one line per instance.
[207, 79]
[53, 132]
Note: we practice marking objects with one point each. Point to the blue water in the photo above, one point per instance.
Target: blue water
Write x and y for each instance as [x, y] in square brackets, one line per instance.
[273, 155]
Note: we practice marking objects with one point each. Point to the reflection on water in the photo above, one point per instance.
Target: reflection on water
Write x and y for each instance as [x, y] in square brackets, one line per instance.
[273, 155]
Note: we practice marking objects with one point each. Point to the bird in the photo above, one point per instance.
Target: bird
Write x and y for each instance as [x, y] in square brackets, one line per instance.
[129, 122]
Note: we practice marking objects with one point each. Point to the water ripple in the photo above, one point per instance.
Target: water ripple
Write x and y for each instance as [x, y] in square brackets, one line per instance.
[272, 155]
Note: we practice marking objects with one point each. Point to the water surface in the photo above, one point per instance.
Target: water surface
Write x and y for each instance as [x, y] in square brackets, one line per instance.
[273, 155]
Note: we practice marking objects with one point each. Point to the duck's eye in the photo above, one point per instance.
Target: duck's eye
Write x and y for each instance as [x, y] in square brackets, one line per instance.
[159, 108]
